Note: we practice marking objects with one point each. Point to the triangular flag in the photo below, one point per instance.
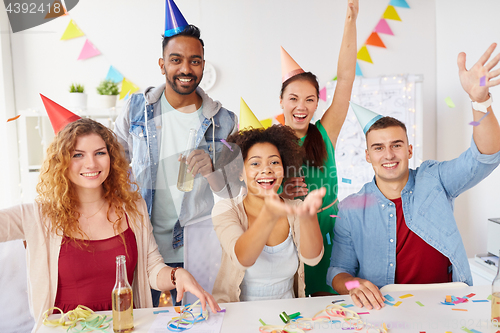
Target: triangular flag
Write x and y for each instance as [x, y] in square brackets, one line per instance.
[72, 31]
[364, 55]
[247, 119]
[126, 96]
[281, 118]
[114, 75]
[59, 116]
[399, 3]
[335, 78]
[322, 94]
[366, 118]
[358, 70]
[375, 40]
[267, 122]
[289, 67]
[391, 14]
[56, 10]
[88, 51]
[383, 28]
[127, 87]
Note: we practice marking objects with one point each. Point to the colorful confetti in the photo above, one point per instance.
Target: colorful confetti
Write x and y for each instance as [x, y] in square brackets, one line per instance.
[389, 303]
[360, 313]
[476, 123]
[339, 300]
[328, 238]
[480, 300]
[13, 118]
[335, 216]
[352, 284]
[389, 298]
[406, 296]
[482, 81]
[455, 309]
[419, 303]
[489, 297]
[449, 102]
[226, 144]
[398, 303]
[346, 180]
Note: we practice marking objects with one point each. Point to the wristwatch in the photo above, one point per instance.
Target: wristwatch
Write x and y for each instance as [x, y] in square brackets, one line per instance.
[482, 107]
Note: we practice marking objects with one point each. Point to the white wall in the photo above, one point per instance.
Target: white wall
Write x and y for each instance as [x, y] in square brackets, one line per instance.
[242, 42]
[469, 26]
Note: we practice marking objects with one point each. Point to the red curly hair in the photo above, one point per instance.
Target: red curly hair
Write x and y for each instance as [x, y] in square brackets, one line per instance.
[56, 193]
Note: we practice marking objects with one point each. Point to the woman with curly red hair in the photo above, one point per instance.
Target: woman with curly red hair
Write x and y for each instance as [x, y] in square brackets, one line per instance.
[88, 212]
[265, 239]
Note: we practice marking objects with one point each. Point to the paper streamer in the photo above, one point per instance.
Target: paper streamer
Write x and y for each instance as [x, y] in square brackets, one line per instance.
[352, 284]
[88, 51]
[14, 118]
[72, 31]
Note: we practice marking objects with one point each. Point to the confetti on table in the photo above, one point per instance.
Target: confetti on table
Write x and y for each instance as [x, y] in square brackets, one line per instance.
[384, 326]
[262, 322]
[449, 102]
[13, 118]
[352, 284]
[489, 297]
[480, 300]
[226, 144]
[338, 300]
[455, 309]
[470, 295]
[447, 303]
[360, 313]
[398, 303]
[389, 298]
[482, 81]
[348, 305]
[223, 310]
[406, 296]
[346, 180]
[448, 299]
[477, 123]
[389, 303]
[348, 328]
[328, 239]
[419, 303]
[466, 329]
[475, 331]
[160, 311]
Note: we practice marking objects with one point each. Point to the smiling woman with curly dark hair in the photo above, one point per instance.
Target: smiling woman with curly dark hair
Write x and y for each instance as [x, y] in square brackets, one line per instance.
[259, 230]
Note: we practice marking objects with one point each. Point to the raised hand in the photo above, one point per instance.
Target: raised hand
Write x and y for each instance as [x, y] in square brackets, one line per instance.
[353, 9]
[470, 79]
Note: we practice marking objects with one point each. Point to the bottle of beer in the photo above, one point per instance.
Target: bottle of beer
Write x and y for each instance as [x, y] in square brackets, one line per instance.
[123, 317]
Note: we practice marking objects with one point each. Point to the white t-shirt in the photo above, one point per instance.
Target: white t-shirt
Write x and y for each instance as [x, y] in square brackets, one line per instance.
[168, 199]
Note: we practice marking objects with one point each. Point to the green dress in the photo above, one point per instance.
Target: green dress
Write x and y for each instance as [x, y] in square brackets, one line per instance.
[315, 178]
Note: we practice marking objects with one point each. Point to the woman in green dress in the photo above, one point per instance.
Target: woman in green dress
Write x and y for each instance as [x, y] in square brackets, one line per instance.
[299, 100]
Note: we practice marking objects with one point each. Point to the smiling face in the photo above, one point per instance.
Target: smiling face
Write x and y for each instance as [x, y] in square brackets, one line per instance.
[299, 101]
[90, 163]
[182, 64]
[389, 153]
[263, 169]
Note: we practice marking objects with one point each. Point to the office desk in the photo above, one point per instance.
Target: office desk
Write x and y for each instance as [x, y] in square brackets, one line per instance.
[407, 317]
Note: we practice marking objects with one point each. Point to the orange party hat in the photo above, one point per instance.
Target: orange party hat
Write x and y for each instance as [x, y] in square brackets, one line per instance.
[289, 67]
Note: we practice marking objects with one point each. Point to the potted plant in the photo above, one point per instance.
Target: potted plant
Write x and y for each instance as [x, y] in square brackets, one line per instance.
[107, 90]
[77, 96]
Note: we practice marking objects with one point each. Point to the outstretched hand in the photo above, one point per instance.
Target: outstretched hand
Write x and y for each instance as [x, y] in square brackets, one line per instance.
[276, 206]
[186, 282]
[311, 204]
[470, 79]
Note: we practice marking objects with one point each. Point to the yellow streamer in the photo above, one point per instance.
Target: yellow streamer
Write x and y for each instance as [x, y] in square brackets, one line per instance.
[71, 318]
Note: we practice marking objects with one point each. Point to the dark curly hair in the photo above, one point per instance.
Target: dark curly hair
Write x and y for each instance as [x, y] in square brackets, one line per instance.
[282, 137]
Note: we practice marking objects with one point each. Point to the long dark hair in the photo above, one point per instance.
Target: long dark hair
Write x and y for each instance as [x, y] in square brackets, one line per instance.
[314, 145]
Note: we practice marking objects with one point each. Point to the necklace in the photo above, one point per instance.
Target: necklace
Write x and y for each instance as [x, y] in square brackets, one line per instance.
[88, 217]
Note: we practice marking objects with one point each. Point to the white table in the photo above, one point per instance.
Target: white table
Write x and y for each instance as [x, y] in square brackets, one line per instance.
[408, 317]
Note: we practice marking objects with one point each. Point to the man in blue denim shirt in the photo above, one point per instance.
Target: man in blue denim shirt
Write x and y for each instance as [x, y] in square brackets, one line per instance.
[367, 244]
[154, 128]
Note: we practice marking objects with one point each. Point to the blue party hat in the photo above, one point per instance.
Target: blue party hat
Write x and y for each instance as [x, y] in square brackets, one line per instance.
[174, 21]
[366, 118]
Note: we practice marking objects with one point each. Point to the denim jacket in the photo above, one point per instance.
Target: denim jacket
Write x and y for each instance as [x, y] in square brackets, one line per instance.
[138, 128]
[364, 243]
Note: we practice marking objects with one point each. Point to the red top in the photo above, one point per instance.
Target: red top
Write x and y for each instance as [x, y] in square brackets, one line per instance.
[87, 270]
[417, 261]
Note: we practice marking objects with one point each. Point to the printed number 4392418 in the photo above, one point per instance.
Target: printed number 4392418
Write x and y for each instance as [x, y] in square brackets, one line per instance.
[31, 8]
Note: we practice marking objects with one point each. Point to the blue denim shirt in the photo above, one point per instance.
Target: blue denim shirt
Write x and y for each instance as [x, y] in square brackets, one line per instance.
[138, 129]
[364, 243]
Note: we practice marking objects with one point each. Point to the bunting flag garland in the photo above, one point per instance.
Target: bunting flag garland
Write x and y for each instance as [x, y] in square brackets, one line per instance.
[364, 55]
[127, 88]
[88, 51]
[391, 14]
[114, 75]
[280, 118]
[266, 122]
[383, 28]
[399, 3]
[322, 94]
[375, 40]
[72, 31]
[57, 9]
[358, 70]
